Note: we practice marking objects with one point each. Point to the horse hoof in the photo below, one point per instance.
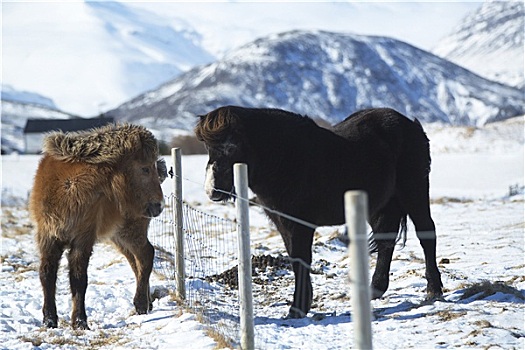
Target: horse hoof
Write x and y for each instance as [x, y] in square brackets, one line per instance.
[434, 296]
[81, 324]
[142, 310]
[376, 293]
[50, 322]
[295, 313]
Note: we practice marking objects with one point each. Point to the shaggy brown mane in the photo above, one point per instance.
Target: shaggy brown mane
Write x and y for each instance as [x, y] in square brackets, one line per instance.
[213, 127]
[107, 144]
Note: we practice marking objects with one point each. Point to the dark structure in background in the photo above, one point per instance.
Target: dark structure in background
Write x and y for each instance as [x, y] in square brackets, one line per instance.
[36, 129]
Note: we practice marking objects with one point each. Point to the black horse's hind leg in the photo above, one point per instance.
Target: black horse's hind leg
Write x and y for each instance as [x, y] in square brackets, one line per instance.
[298, 242]
[50, 253]
[385, 225]
[78, 259]
[415, 198]
[426, 232]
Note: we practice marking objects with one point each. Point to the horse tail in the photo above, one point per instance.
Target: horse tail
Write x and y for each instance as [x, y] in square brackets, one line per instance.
[372, 244]
[401, 236]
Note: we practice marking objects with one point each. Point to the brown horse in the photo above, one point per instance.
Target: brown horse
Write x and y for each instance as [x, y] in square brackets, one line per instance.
[104, 183]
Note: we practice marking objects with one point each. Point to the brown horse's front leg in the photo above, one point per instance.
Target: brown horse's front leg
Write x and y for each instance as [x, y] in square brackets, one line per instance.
[78, 259]
[144, 259]
[132, 241]
[50, 254]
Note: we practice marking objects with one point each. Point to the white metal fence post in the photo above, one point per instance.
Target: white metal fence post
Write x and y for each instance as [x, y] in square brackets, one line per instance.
[356, 213]
[245, 260]
[178, 219]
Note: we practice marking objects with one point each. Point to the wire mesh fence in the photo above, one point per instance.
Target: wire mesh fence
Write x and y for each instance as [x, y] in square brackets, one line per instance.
[210, 262]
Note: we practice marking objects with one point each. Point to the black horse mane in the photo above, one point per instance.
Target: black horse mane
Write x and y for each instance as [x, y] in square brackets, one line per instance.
[219, 124]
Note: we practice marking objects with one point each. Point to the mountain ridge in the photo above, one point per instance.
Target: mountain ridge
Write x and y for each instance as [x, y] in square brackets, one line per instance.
[490, 42]
[97, 54]
[328, 75]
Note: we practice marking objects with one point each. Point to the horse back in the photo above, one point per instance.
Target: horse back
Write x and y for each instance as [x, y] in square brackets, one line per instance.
[397, 133]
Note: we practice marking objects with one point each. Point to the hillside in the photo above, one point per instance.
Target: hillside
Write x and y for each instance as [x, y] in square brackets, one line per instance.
[15, 114]
[97, 54]
[328, 75]
[490, 42]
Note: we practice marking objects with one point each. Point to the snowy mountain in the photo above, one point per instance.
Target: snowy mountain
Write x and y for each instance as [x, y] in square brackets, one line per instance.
[11, 94]
[489, 42]
[93, 56]
[15, 114]
[328, 75]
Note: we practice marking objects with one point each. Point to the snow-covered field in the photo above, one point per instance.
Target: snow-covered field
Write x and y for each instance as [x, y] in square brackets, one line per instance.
[480, 253]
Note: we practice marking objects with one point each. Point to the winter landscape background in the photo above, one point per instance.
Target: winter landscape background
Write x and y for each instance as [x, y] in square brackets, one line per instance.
[457, 67]
[161, 65]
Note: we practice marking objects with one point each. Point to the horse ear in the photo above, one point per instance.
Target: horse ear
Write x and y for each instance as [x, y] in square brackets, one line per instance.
[162, 170]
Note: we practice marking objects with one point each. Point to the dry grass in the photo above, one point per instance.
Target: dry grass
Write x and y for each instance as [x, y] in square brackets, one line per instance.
[13, 225]
[447, 315]
[469, 132]
[77, 339]
[221, 340]
[449, 200]
[486, 288]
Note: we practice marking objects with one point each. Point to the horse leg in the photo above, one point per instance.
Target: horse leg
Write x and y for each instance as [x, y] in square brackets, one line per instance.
[426, 232]
[385, 225]
[144, 256]
[142, 300]
[78, 258]
[414, 197]
[50, 253]
[132, 241]
[299, 248]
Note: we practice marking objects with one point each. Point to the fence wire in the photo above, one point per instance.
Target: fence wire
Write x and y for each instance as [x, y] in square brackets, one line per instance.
[211, 258]
[210, 255]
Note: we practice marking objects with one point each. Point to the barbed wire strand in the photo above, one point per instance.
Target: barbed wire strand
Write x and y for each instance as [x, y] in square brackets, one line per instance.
[372, 236]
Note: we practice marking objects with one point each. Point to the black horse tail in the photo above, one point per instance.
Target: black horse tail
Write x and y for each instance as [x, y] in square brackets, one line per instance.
[401, 236]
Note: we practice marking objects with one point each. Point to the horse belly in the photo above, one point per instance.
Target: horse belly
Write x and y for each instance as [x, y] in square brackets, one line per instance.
[108, 220]
[375, 175]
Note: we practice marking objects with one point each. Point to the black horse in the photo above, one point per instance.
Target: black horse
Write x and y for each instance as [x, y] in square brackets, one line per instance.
[301, 169]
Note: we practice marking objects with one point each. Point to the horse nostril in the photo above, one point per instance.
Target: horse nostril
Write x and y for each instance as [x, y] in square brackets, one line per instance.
[154, 209]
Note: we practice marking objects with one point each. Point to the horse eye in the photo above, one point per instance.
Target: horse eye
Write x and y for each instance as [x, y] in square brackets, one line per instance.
[145, 170]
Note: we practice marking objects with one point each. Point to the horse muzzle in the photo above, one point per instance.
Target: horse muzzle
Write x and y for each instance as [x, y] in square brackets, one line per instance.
[220, 195]
[154, 209]
[217, 196]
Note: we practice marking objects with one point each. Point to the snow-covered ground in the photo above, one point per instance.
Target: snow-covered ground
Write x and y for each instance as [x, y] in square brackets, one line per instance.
[480, 253]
